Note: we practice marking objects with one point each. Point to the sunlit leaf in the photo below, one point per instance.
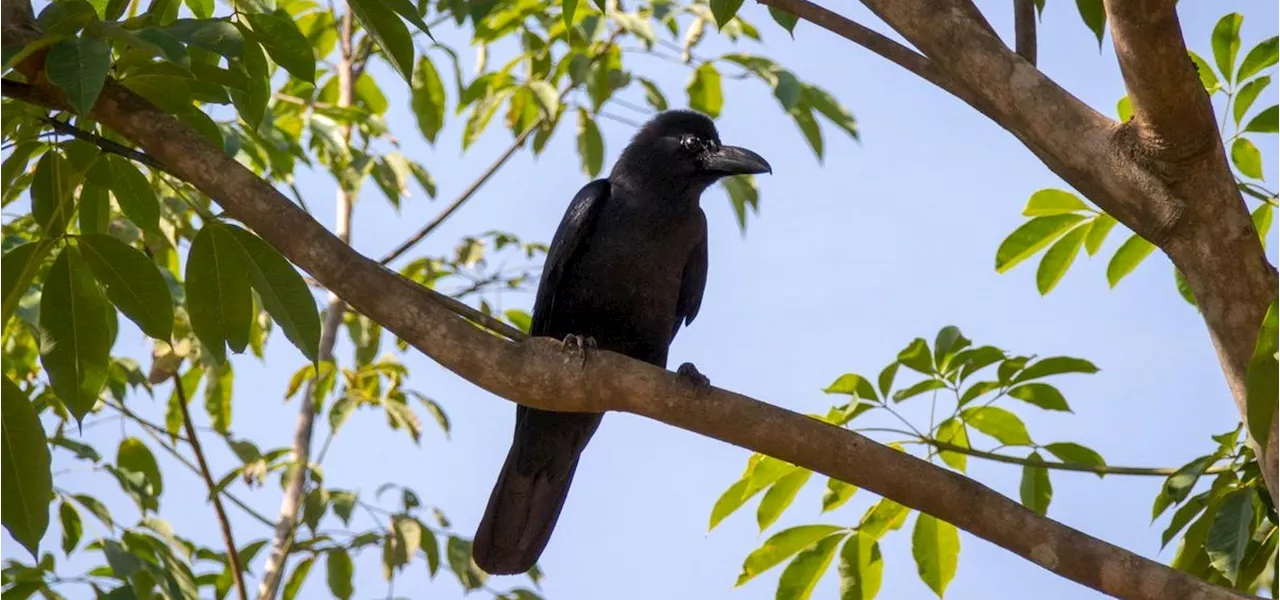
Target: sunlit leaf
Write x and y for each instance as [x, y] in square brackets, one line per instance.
[218, 298]
[590, 144]
[286, 44]
[1035, 491]
[390, 33]
[1049, 201]
[1259, 57]
[1041, 394]
[1127, 258]
[998, 423]
[133, 283]
[1057, 260]
[26, 489]
[79, 326]
[1030, 237]
[780, 496]
[1226, 43]
[705, 94]
[804, 571]
[861, 568]
[1230, 532]
[781, 546]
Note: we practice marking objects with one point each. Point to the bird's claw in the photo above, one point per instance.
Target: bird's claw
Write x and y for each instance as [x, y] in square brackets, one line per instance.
[691, 374]
[577, 346]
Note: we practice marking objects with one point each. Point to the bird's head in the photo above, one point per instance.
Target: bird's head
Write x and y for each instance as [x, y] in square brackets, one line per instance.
[681, 150]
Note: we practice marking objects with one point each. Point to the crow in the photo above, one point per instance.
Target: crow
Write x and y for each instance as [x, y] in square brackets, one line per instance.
[626, 267]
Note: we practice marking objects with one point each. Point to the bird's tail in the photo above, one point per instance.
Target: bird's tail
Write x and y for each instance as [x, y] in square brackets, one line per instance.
[531, 490]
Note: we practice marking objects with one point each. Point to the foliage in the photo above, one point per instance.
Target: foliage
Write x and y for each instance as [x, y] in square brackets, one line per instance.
[100, 233]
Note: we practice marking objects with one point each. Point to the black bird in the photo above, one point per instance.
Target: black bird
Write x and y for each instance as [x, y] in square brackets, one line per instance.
[626, 267]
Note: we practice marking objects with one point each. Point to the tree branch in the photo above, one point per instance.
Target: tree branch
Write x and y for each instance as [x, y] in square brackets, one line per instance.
[233, 555]
[102, 143]
[1024, 29]
[536, 373]
[1171, 110]
[1061, 466]
[287, 524]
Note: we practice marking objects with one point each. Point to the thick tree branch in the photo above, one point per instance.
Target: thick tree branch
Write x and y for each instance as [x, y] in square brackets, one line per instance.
[1170, 107]
[536, 372]
[1024, 29]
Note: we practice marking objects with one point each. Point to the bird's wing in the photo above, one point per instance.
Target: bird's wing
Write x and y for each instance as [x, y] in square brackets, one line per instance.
[692, 284]
[578, 221]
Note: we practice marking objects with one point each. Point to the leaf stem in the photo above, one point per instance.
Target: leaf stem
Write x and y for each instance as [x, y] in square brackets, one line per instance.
[1061, 466]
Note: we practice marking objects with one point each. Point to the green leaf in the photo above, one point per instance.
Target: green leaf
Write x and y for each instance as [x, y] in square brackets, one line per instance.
[79, 327]
[18, 269]
[284, 293]
[1245, 97]
[743, 193]
[66, 17]
[547, 96]
[1076, 454]
[79, 67]
[1036, 491]
[883, 516]
[1127, 258]
[1030, 237]
[1230, 532]
[785, 19]
[1124, 109]
[1178, 485]
[809, 127]
[935, 545]
[829, 107]
[1094, 17]
[885, 379]
[567, 9]
[705, 94]
[1226, 43]
[427, 99]
[724, 11]
[1056, 261]
[802, 575]
[218, 297]
[1041, 394]
[921, 387]
[953, 432]
[1267, 121]
[998, 423]
[94, 209]
[340, 571]
[836, 494]
[781, 546]
[390, 33]
[134, 456]
[976, 359]
[1099, 227]
[978, 389]
[780, 496]
[1262, 379]
[134, 193]
[1260, 57]
[1055, 365]
[133, 283]
[1190, 510]
[458, 552]
[853, 385]
[72, 527]
[217, 36]
[1262, 221]
[762, 471]
[217, 397]
[861, 568]
[286, 44]
[252, 102]
[26, 485]
[653, 95]
[1246, 157]
[590, 144]
[95, 508]
[52, 185]
[1049, 202]
[1207, 78]
[297, 578]
[917, 357]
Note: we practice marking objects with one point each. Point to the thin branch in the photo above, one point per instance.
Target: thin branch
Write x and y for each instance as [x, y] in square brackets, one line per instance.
[233, 554]
[1062, 466]
[103, 143]
[1024, 29]
[287, 524]
[480, 181]
[155, 431]
[462, 198]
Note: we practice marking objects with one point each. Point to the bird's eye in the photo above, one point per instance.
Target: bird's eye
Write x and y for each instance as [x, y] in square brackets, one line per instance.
[692, 144]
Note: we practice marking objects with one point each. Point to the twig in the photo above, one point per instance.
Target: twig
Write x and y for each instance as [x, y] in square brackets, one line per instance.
[1024, 29]
[105, 144]
[484, 177]
[1062, 466]
[151, 430]
[233, 555]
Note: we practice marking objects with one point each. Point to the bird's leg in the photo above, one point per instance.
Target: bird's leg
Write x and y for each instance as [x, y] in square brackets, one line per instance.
[577, 346]
[691, 374]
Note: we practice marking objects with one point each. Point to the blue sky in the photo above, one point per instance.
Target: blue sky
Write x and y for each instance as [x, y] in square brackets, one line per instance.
[846, 262]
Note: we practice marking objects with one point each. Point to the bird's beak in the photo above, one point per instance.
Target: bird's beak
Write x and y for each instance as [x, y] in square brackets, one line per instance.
[732, 160]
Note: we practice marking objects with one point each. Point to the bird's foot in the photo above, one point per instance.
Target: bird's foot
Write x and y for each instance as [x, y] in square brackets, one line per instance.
[576, 346]
[691, 374]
